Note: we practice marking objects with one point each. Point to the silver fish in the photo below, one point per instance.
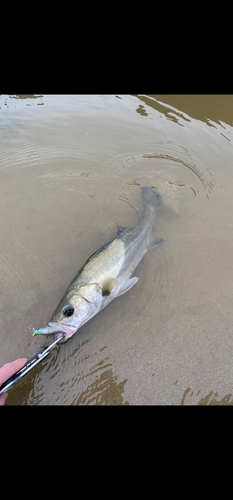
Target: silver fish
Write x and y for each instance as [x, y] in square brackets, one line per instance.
[106, 274]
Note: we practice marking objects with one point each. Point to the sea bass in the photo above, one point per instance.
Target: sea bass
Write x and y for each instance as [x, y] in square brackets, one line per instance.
[106, 274]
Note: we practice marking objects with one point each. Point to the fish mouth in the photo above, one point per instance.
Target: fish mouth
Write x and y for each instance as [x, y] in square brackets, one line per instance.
[66, 330]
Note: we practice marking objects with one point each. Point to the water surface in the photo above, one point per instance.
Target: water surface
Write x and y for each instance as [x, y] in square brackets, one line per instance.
[71, 168]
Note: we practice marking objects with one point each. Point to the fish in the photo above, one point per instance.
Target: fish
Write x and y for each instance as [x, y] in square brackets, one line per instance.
[107, 274]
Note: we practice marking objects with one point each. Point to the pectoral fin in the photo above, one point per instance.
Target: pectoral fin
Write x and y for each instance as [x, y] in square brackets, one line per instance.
[129, 284]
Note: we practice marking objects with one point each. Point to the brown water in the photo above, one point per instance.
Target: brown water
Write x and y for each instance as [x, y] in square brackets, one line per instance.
[70, 171]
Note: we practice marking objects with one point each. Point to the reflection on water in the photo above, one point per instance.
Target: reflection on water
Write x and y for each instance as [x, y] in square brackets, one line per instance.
[105, 390]
[169, 113]
[213, 110]
[141, 110]
[210, 399]
[25, 96]
[92, 380]
[70, 173]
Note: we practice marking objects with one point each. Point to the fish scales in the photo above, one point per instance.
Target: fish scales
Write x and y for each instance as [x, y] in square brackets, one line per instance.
[106, 274]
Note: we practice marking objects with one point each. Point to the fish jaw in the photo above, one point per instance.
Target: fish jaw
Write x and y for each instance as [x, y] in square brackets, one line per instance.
[67, 329]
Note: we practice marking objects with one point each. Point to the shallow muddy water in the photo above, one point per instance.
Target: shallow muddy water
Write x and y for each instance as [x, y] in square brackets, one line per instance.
[71, 168]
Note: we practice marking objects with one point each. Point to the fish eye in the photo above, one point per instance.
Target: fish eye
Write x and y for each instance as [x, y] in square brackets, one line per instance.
[68, 311]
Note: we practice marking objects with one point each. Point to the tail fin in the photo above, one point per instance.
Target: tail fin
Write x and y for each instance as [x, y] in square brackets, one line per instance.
[150, 197]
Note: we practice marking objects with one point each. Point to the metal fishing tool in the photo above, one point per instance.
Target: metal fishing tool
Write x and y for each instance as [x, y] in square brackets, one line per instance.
[29, 365]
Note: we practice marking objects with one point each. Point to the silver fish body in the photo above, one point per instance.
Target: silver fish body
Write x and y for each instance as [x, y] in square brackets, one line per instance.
[106, 274]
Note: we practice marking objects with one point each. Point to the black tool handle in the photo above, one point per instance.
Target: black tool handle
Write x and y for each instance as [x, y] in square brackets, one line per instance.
[24, 370]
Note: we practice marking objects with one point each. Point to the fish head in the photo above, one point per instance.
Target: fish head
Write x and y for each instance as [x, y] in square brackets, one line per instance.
[75, 309]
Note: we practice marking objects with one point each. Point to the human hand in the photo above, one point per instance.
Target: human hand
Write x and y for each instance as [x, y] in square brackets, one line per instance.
[7, 371]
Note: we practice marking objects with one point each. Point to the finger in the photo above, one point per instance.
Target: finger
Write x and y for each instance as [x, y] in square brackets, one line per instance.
[9, 369]
[3, 398]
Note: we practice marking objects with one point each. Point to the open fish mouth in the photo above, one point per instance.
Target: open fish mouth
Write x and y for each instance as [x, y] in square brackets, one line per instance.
[51, 328]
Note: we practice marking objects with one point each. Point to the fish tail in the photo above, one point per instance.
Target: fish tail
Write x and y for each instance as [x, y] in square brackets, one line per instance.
[151, 198]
